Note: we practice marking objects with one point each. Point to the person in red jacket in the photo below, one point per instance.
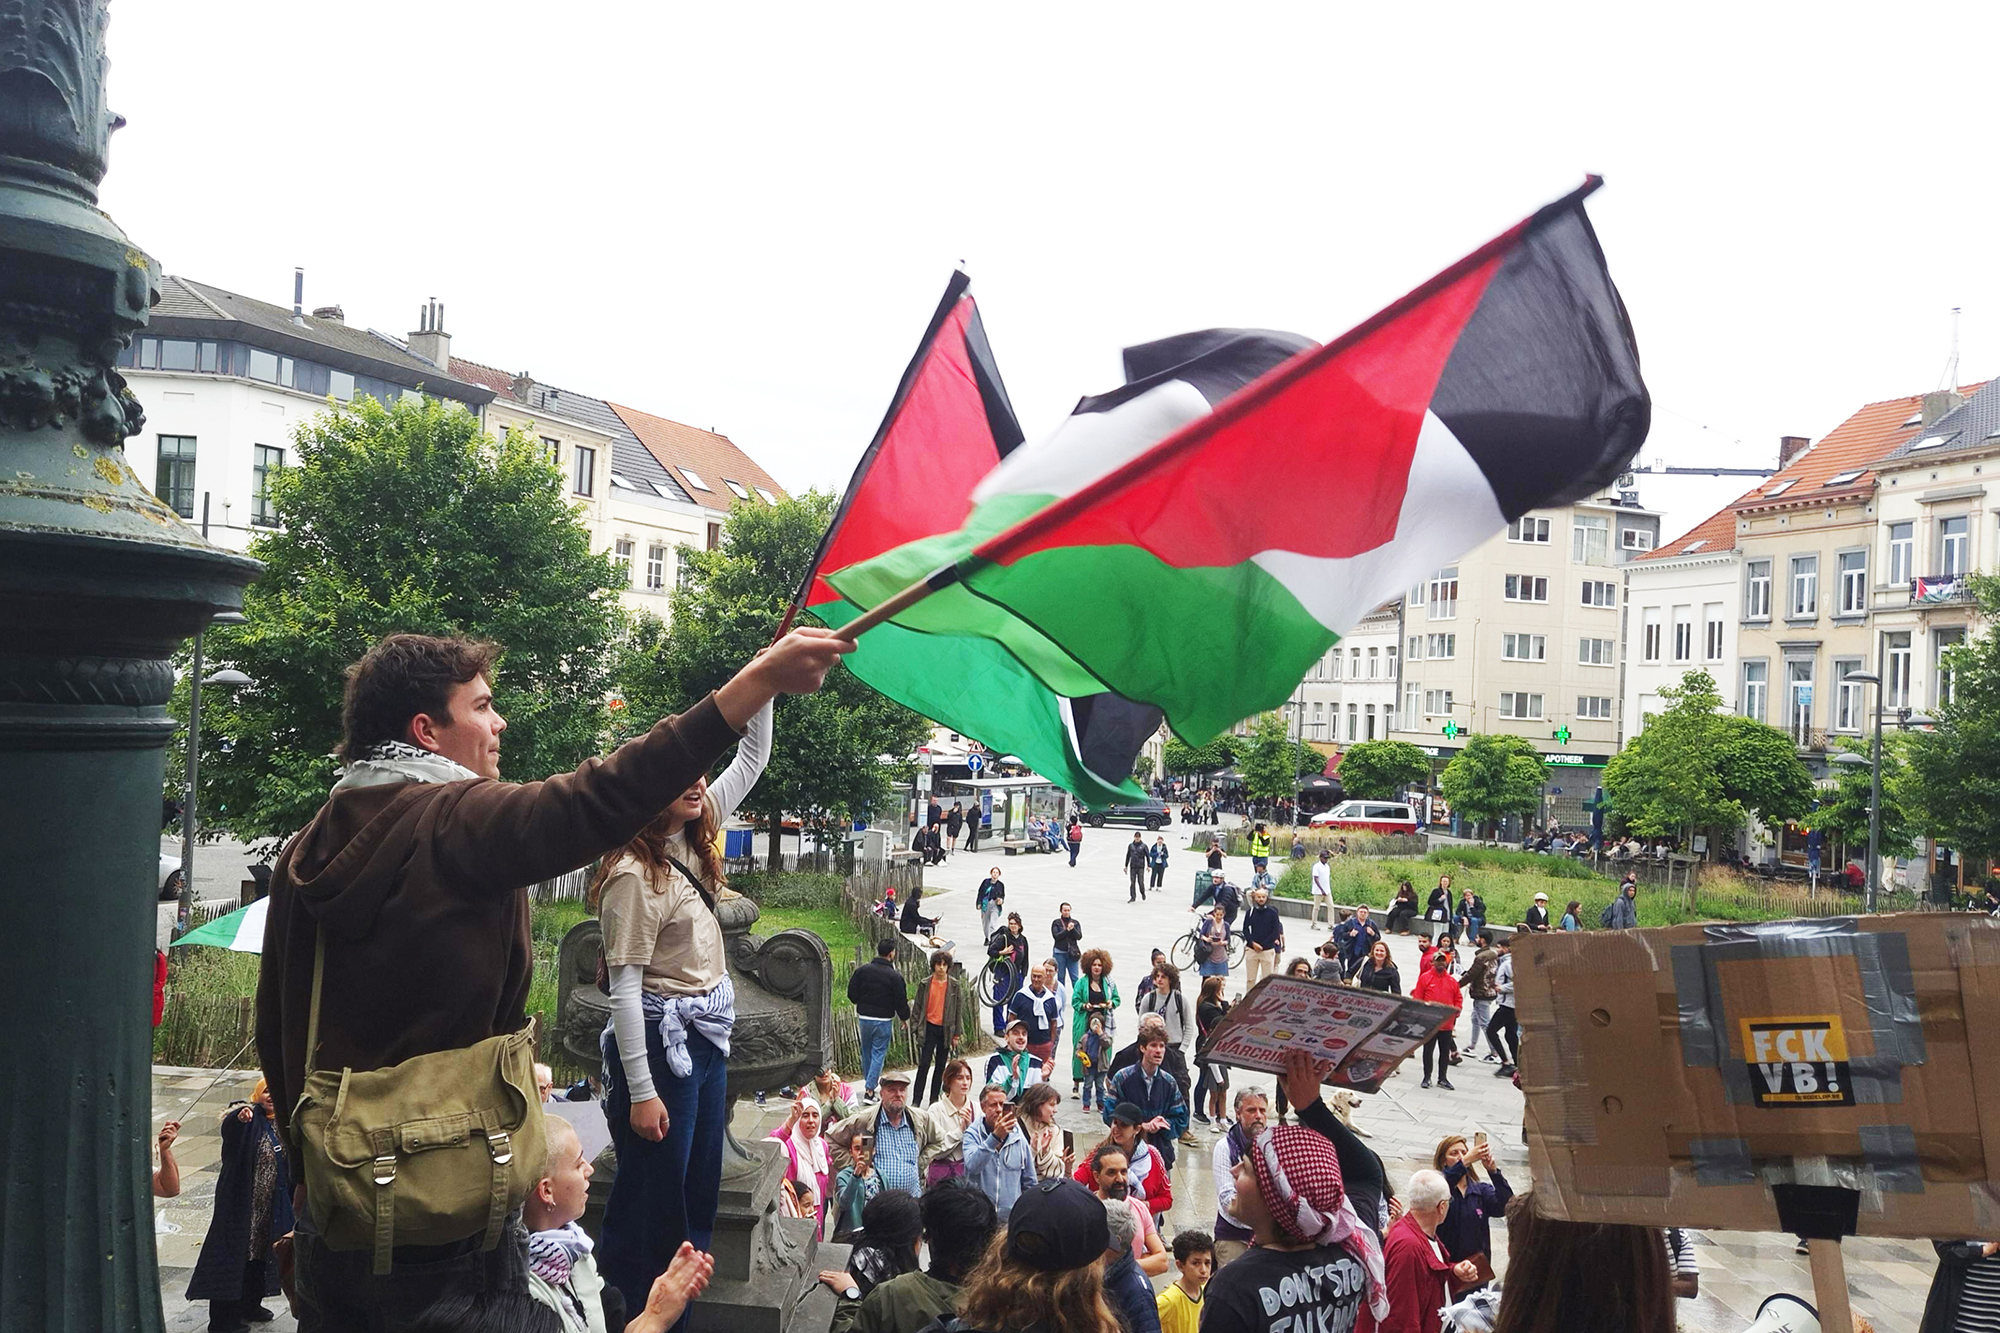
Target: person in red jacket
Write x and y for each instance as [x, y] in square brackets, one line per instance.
[1438, 986]
[1414, 1267]
[1145, 1171]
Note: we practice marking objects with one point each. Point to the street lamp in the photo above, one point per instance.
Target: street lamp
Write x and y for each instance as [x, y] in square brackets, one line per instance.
[228, 678]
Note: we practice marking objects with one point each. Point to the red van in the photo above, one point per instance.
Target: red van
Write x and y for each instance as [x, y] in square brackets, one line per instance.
[1368, 817]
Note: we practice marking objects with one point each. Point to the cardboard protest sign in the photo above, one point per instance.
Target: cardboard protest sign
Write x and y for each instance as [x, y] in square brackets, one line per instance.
[1365, 1033]
[1698, 1075]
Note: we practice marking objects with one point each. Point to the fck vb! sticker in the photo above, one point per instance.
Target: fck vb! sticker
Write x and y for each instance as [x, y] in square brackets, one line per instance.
[1798, 1060]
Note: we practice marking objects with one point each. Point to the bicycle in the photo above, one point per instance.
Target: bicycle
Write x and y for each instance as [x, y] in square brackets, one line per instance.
[1183, 951]
[993, 984]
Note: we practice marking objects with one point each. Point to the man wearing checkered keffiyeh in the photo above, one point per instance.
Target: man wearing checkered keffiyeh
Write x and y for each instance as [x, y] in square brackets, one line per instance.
[1315, 1264]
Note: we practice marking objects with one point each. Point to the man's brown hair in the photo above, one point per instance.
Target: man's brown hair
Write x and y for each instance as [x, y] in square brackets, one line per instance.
[400, 677]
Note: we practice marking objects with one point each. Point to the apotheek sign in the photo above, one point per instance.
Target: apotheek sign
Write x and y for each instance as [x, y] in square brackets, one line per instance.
[1555, 759]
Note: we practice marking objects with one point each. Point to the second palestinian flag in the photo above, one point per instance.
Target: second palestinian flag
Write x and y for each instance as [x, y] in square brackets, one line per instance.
[1200, 557]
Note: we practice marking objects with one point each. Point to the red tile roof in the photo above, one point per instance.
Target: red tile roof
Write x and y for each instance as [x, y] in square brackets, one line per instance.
[700, 460]
[1865, 438]
[472, 372]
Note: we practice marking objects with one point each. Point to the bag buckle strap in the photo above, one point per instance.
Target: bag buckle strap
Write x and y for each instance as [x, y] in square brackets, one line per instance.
[500, 1146]
[385, 1213]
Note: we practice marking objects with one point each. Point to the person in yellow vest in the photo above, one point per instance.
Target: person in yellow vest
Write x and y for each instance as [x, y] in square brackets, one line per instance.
[1260, 848]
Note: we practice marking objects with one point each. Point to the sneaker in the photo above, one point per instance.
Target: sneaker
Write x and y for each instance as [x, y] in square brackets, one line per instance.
[260, 1315]
[1426, 1083]
[1445, 1083]
[1504, 1071]
[760, 1096]
[1491, 1057]
[1801, 1247]
[1200, 1119]
[1456, 1058]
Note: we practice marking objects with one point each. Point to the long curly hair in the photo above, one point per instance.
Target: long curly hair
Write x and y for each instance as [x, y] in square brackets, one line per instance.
[1000, 1293]
[649, 849]
[1093, 955]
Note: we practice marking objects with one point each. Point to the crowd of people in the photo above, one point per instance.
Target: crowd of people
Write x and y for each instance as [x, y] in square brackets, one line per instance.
[401, 905]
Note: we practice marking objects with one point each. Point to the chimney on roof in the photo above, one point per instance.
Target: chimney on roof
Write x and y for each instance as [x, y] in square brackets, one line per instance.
[429, 340]
[299, 296]
[1790, 447]
[521, 386]
[333, 314]
[1939, 403]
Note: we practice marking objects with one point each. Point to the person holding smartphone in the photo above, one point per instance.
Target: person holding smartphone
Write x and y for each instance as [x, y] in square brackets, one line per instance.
[1467, 1230]
[998, 1158]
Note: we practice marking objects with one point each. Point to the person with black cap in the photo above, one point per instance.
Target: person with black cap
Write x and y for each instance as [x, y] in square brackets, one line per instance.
[1045, 1274]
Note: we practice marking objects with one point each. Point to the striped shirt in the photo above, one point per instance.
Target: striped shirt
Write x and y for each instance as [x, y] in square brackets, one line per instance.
[1979, 1307]
[1680, 1252]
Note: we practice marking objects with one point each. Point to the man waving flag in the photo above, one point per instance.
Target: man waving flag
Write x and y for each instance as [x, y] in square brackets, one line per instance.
[1200, 557]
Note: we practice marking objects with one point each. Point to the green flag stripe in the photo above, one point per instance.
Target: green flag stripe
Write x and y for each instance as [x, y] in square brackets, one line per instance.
[975, 686]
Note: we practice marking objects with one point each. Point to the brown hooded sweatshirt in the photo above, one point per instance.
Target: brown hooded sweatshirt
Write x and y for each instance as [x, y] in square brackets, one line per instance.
[420, 889]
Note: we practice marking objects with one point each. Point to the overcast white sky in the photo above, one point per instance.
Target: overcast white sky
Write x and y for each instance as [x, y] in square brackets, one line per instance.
[742, 216]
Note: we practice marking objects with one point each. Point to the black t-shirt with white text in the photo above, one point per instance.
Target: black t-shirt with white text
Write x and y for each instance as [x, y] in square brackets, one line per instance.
[1321, 1290]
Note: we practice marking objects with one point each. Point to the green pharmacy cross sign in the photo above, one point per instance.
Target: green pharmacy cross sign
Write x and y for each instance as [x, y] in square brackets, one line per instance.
[1451, 730]
[1562, 735]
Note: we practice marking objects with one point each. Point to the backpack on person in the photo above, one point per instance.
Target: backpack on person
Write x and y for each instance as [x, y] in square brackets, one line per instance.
[1604, 917]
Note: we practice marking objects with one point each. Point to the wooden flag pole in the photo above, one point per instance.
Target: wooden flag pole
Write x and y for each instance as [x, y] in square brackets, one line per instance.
[1829, 1275]
[900, 603]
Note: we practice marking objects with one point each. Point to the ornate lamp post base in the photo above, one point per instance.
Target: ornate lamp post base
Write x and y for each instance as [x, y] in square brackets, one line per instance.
[99, 583]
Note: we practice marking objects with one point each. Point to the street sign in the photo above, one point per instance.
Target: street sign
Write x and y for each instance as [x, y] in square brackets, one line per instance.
[923, 780]
[973, 764]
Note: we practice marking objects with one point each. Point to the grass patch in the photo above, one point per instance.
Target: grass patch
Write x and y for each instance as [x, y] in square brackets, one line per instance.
[788, 889]
[1509, 881]
[834, 927]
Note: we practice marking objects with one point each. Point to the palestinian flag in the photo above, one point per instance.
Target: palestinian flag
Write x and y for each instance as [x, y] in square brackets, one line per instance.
[1199, 553]
[949, 425]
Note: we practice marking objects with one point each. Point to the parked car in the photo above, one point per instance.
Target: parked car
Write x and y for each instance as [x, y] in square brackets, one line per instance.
[1152, 812]
[170, 878]
[1368, 817]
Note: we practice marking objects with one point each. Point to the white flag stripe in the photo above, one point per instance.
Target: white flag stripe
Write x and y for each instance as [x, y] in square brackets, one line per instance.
[1089, 445]
[1448, 508]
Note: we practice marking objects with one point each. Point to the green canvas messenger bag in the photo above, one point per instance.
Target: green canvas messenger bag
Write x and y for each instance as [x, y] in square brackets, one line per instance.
[439, 1148]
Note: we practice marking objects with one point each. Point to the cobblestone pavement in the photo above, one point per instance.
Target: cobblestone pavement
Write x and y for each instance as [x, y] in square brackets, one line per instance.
[1887, 1279]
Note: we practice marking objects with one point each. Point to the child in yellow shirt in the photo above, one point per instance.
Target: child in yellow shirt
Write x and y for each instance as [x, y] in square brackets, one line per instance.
[1180, 1303]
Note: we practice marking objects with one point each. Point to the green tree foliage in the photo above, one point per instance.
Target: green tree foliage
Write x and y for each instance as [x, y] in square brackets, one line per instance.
[1694, 767]
[1494, 775]
[1142, 768]
[408, 518]
[1309, 763]
[1182, 758]
[826, 747]
[1954, 786]
[1381, 769]
[1844, 811]
[1268, 759]
[1760, 769]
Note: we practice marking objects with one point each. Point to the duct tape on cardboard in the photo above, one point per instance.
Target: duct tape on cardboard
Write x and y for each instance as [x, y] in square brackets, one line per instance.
[1675, 1075]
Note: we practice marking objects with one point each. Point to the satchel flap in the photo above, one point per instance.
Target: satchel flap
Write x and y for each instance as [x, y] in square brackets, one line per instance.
[428, 1101]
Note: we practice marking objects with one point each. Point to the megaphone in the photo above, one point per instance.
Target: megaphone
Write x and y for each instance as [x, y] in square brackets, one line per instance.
[1784, 1313]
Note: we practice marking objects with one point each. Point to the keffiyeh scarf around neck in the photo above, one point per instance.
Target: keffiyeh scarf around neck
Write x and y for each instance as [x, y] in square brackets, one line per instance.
[399, 761]
[551, 1254]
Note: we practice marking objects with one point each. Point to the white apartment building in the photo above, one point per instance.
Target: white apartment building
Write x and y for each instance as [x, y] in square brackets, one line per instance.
[1936, 522]
[226, 380]
[1349, 696]
[1522, 636]
[1680, 615]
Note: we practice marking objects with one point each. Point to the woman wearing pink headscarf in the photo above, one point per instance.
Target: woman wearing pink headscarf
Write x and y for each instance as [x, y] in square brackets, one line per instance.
[806, 1161]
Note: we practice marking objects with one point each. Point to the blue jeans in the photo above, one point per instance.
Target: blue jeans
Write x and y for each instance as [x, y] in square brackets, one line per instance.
[1067, 970]
[1469, 928]
[1074, 848]
[875, 1035]
[666, 1192]
[1093, 1083]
